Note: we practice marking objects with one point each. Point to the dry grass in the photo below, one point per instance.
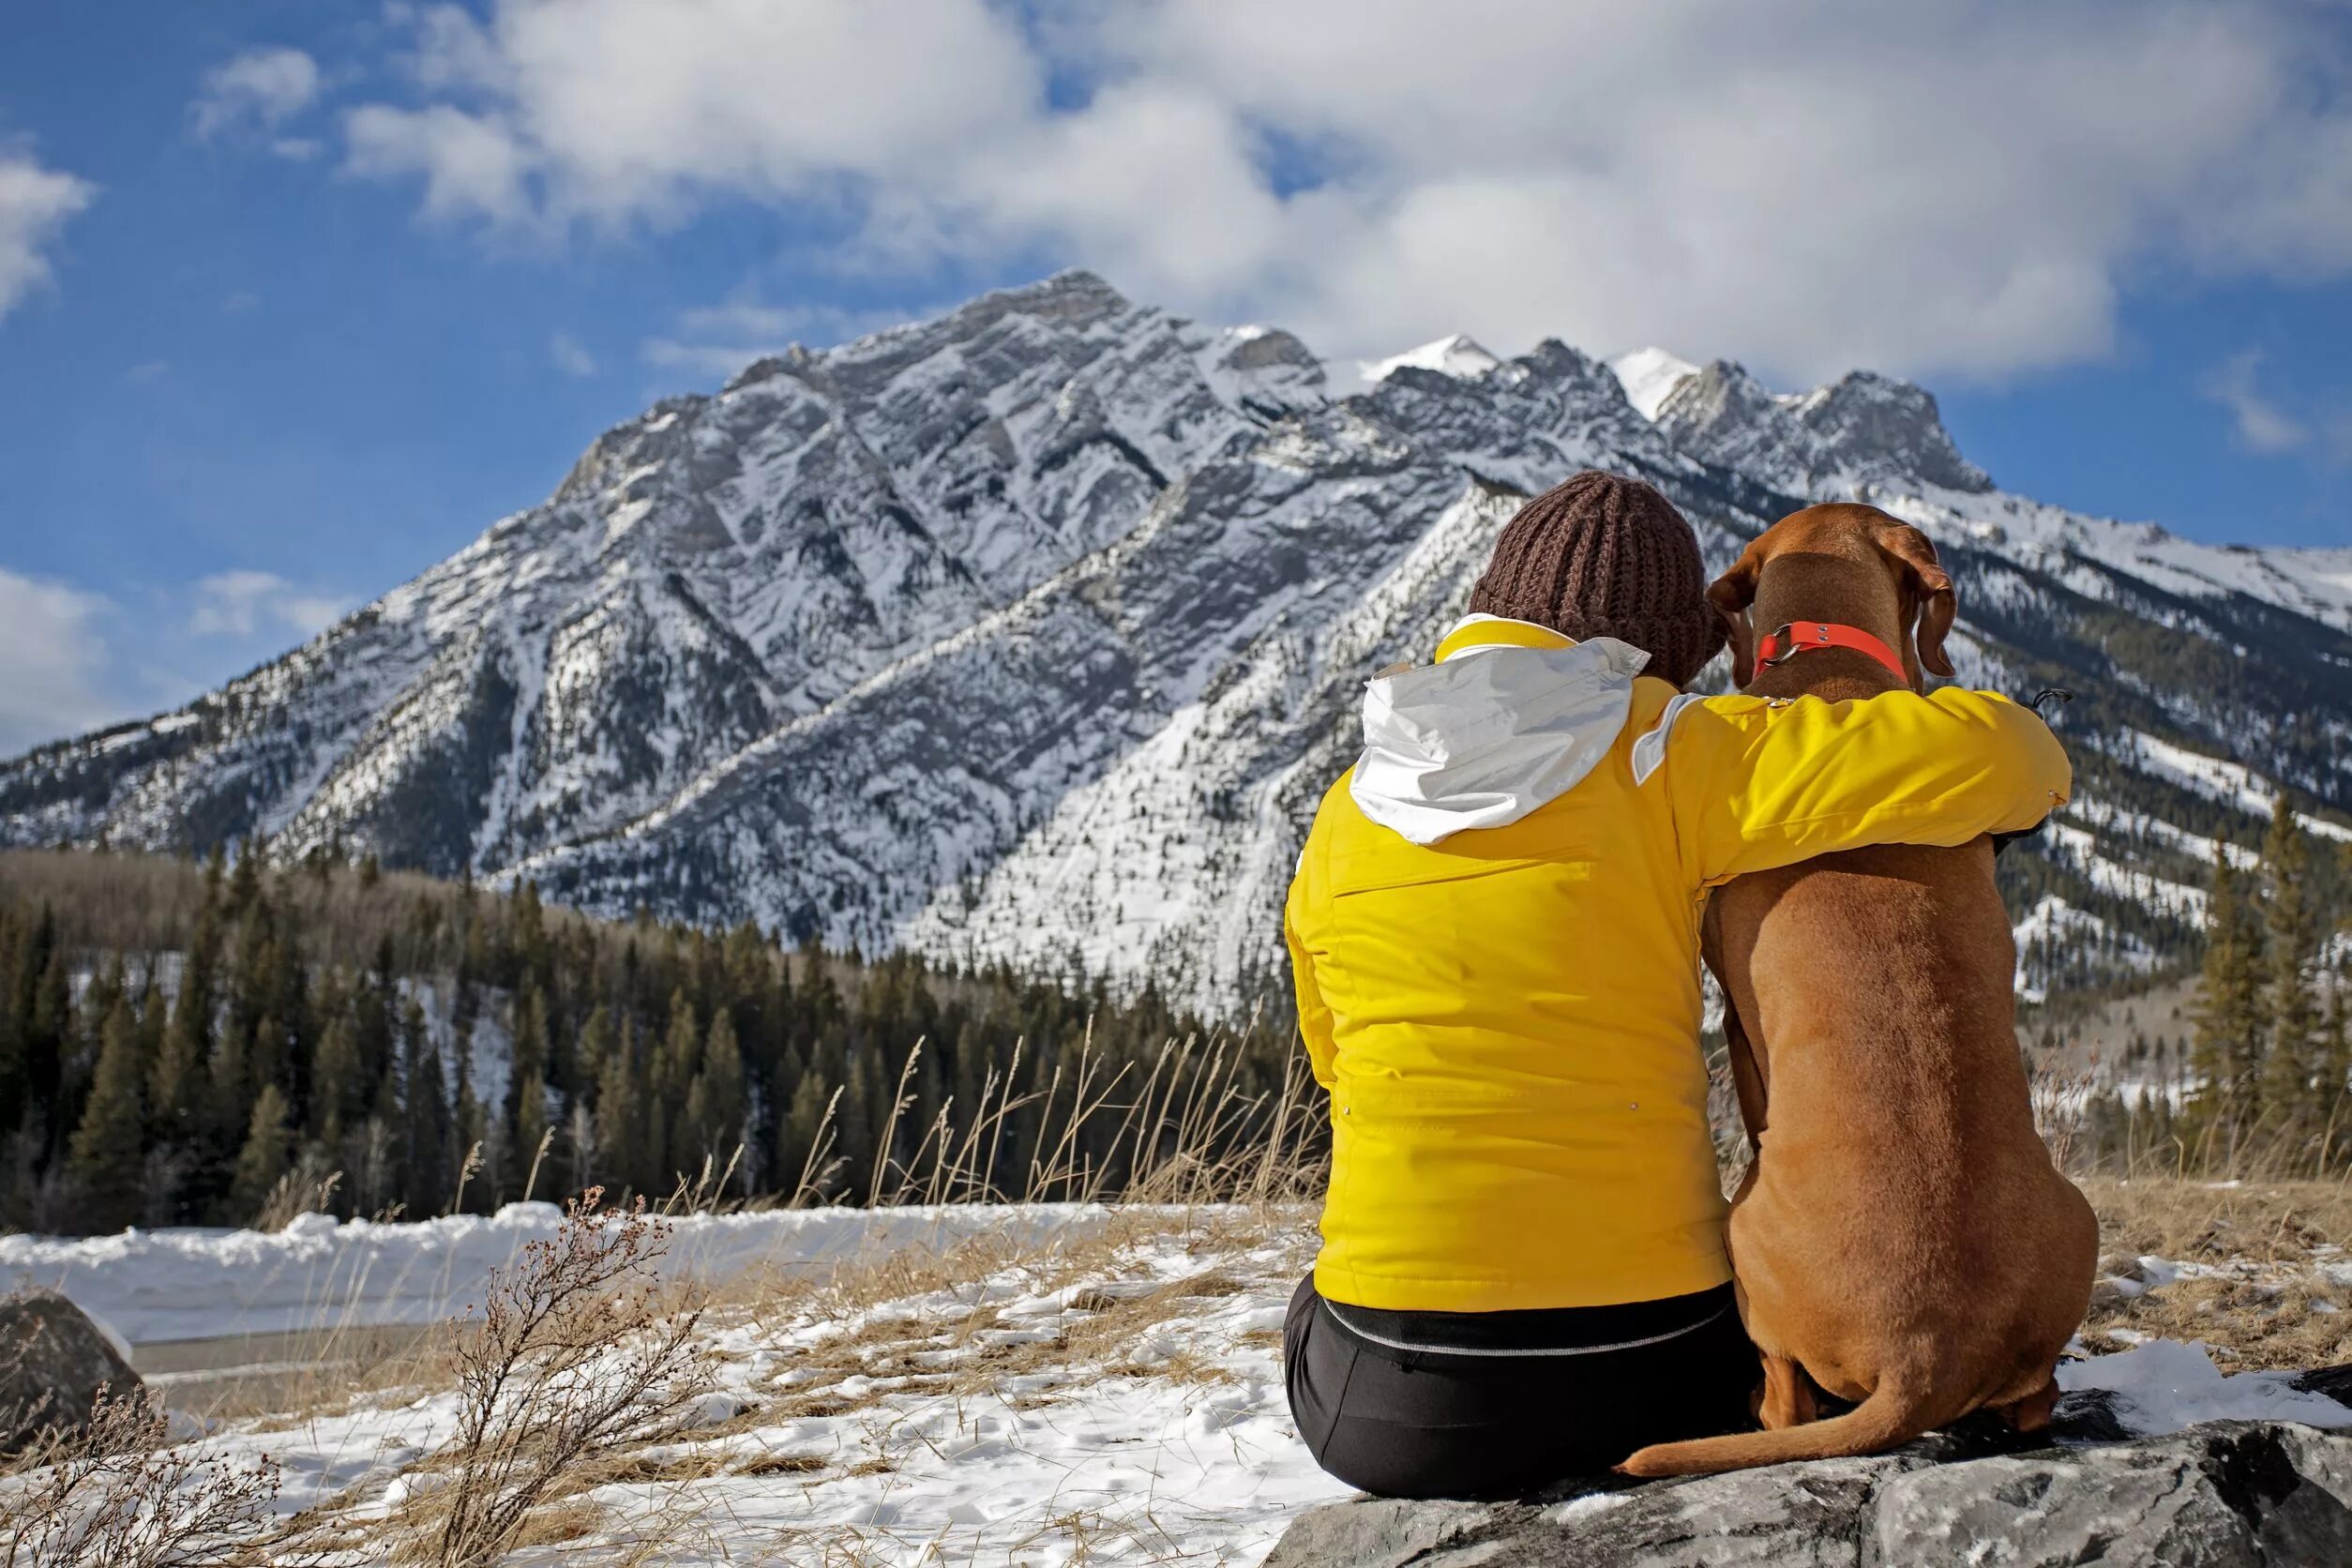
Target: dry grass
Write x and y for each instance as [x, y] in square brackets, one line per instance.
[2197, 1221]
[558, 1524]
[2257, 1296]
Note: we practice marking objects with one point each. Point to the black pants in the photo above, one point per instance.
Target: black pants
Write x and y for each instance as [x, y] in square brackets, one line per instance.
[1452, 1424]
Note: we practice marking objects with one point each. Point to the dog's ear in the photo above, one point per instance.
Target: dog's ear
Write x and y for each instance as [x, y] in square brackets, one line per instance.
[1730, 595]
[1926, 584]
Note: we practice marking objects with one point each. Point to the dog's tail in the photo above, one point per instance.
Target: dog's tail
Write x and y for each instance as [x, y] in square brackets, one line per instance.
[1889, 1416]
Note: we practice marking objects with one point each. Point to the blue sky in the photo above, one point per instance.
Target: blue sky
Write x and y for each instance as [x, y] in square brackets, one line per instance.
[296, 299]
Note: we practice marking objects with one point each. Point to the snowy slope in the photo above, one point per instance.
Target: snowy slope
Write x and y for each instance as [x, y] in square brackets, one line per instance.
[1036, 632]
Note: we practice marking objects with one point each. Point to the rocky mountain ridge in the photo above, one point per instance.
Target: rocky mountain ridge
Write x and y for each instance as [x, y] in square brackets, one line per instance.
[1034, 632]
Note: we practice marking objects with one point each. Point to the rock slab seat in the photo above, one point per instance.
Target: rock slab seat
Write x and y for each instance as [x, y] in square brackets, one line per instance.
[2223, 1495]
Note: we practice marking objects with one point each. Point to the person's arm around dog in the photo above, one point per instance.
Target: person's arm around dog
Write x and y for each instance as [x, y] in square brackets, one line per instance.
[1758, 785]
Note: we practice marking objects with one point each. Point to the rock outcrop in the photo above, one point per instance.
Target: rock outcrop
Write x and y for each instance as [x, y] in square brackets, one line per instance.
[54, 1360]
[2217, 1496]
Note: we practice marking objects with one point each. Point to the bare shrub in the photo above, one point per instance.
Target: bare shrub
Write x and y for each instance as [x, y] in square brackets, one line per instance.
[118, 1494]
[574, 1353]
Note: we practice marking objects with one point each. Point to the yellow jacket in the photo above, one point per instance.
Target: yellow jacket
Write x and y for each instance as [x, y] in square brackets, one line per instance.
[1494, 932]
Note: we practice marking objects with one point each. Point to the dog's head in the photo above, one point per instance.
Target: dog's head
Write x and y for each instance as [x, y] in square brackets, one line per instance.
[1817, 549]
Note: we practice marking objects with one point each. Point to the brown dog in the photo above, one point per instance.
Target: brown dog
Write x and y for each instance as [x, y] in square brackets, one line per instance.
[1902, 1239]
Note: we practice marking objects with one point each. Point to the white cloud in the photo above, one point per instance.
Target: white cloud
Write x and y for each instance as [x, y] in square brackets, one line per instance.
[470, 165]
[148, 372]
[570, 355]
[246, 603]
[261, 89]
[56, 660]
[34, 205]
[2262, 426]
[1950, 186]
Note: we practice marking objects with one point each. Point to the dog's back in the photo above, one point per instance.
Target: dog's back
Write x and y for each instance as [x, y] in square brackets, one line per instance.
[1905, 1213]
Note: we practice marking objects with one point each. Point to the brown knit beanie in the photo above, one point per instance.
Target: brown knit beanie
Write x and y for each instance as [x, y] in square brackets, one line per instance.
[1602, 555]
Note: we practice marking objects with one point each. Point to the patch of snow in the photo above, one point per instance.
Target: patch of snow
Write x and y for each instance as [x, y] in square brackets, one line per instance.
[2167, 1385]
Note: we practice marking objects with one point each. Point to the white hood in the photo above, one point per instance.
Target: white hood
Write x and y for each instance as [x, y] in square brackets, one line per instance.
[1489, 734]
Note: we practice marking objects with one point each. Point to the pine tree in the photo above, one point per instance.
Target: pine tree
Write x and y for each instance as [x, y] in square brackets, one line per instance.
[2335, 1068]
[802, 1125]
[373, 1009]
[2230, 1023]
[2292, 949]
[531, 1127]
[676, 1060]
[229, 1087]
[425, 1115]
[108, 1147]
[861, 1100]
[598, 1040]
[178, 1094]
[620, 1113]
[715, 1101]
[471, 1147]
[48, 1029]
[337, 1087]
[264, 1161]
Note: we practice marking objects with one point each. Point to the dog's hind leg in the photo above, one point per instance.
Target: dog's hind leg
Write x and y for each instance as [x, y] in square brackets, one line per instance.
[2032, 1412]
[1787, 1394]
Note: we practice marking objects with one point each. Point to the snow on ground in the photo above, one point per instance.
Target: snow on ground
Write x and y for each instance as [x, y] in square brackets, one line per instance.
[2169, 1385]
[154, 1286]
[1093, 1398]
[1140, 1418]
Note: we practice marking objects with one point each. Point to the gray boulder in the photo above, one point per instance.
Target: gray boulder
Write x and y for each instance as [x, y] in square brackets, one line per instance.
[2223, 1495]
[52, 1362]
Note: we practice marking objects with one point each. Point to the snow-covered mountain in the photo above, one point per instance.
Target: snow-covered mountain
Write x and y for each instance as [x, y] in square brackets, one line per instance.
[1037, 630]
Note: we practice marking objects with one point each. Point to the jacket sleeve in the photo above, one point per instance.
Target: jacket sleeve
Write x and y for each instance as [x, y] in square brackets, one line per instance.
[1314, 1018]
[1756, 785]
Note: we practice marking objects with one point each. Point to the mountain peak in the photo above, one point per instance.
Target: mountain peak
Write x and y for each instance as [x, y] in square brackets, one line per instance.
[1456, 356]
[1074, 292]
[1650, 376]
[1863, 428]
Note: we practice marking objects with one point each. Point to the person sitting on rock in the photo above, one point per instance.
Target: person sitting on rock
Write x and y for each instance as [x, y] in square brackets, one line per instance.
[1494, 935]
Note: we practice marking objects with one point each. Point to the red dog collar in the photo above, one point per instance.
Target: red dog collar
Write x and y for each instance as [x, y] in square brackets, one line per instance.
[1798, 637]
